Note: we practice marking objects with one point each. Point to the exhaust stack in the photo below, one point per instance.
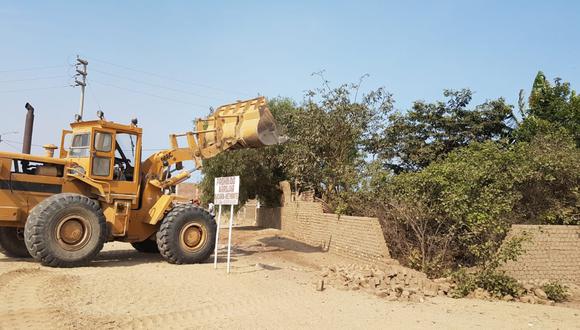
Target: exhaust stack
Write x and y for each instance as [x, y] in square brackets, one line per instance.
[28, 126]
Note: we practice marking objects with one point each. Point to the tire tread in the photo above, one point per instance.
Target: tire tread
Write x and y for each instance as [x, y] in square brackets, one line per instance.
[37, 221]
[170, 224]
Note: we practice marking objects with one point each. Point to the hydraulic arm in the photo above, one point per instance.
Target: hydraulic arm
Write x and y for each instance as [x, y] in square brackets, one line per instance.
[247, 124]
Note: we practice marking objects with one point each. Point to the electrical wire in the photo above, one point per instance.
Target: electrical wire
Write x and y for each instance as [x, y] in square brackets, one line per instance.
[95, 98]
[18, 142]
[31, 89]
[152, 95]
[10, 145]
[156, 85]
[35, 69]
[170, 78]
[32, 79]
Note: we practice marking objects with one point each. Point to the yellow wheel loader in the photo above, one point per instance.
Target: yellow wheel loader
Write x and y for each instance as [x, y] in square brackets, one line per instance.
[62, 209]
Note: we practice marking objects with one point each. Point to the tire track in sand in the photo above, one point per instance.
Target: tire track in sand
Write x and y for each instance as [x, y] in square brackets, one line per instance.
[32, 298]
[21, 306]
[234, 307]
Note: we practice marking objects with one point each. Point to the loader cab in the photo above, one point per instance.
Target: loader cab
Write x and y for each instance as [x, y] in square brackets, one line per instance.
[105, 151]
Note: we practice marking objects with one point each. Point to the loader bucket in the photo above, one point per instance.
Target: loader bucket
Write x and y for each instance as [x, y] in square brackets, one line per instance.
[244, 124]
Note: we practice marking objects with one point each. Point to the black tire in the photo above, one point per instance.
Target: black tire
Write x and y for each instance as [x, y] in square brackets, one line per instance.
[12, 243]
[147, 246]
[65, 230]
[178, 239]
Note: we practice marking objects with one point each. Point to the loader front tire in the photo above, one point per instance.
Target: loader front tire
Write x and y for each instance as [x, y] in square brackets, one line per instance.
[187, 235]
[65, 230]
[12, 243]
[147, 246]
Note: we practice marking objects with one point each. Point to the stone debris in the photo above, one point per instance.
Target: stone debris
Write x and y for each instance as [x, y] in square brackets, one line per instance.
[540, 293]
[534, 294]
[396, 283]
[507, 298]
[392, 283]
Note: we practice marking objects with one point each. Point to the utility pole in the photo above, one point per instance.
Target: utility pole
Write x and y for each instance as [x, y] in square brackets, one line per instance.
[81, 68]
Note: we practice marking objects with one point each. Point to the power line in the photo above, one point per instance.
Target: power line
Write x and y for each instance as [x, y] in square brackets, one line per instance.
[31, 89]
[158, 86]
[95, 98]
[18, 142]
[10, 145]
[32, 79]
[35, 69]
[171, 78]
[149, 94]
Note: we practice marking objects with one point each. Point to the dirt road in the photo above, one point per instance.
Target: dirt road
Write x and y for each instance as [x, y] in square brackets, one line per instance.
[127, 289]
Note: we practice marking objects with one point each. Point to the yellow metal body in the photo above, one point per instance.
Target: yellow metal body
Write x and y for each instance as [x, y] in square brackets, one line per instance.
[94, 165]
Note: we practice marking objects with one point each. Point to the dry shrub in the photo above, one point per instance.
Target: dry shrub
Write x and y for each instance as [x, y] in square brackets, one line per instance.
[417, 238]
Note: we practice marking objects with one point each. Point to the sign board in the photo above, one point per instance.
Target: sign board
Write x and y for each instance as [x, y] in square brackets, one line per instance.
[226, 190]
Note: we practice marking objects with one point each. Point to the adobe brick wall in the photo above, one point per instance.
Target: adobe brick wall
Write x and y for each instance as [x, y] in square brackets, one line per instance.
[269, 217]
[552, 253]
[358, 238]
[246, 215]
[189, 190]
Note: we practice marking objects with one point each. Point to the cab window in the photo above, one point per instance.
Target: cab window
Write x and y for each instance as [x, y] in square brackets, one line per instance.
[124, 169]
[103, 142]
[80, 146]
[101, 166]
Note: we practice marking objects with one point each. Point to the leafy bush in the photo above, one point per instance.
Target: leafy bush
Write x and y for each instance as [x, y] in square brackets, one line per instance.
[488, 277]
[465, 283]
[499, 284]
[495, 282]
[469, 200]
[417, 238]
[548, 181]
[468, 195]
[556, 291]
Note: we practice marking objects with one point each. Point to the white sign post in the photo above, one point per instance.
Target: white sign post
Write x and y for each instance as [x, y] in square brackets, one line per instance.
[217, 236]
[226, 192]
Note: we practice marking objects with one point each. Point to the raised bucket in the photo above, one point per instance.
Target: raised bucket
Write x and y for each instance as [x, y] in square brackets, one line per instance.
[244, 124]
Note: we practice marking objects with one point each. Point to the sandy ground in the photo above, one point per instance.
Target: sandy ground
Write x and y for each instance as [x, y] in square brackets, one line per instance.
[127, 289]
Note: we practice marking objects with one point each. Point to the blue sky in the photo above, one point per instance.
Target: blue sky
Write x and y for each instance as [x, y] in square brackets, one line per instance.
[215, 52]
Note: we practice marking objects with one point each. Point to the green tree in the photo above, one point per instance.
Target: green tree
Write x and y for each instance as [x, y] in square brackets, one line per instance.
[551, 108]
[412, 140]
[328, 136]
[260, 170]
[465, 203]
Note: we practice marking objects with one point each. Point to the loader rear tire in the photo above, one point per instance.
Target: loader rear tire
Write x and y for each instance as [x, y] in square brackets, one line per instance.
[65, 230]
[187, 235]
[12, 243]
[147, 246]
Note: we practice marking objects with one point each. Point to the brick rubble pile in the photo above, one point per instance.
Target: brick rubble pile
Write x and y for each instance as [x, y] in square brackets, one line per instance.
[398, 283]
